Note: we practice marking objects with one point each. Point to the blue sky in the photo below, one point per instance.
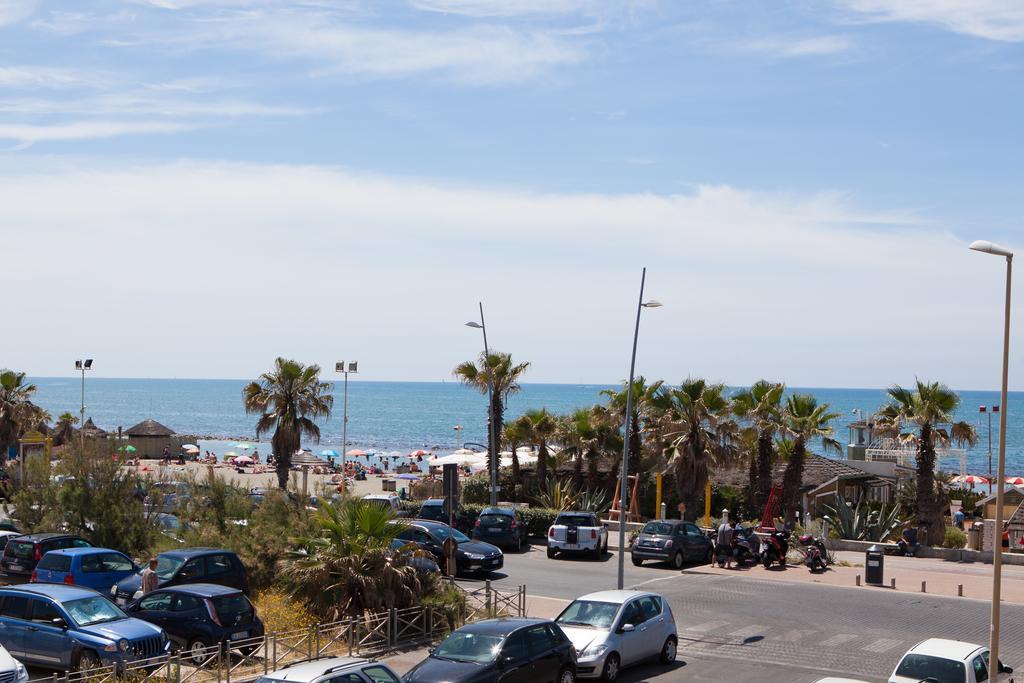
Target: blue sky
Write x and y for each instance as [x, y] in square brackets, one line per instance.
[321, 178]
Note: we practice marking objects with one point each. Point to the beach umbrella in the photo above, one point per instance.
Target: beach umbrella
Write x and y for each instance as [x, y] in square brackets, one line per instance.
[467, 459]
[356, 452]
[243, 460]
[328, 453]
[128, 449]
[408, 476]
[230, 454]
[970, 480]
[394, 454]
[1015, 481]
[418, 453]
[189, 447]
[241, 445]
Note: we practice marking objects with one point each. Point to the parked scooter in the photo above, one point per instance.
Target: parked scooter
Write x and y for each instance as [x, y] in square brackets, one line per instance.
[746, 546]
[816, 556]
[774, 549]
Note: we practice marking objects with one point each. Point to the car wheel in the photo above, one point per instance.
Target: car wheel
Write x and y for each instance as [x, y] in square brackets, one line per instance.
[709, 557]
[567, 676]
[637, 561]
[610, 672]
[668, 650]
[677, 560]
[551, 552]
[519, 544]
[87, 660]
[198, 651]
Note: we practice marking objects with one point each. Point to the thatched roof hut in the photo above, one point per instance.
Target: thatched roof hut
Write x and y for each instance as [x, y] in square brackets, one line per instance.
[149, 438]
[92, 430]
[149, 428]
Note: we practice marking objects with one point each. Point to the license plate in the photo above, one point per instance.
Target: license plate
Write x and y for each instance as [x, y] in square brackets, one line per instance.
[17, 568]
[494, 531]
[239, 635]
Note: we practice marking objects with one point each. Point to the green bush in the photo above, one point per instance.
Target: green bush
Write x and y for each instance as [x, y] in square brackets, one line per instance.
[954, 538]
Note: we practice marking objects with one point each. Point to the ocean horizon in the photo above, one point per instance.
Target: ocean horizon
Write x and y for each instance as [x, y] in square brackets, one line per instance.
[390, 415]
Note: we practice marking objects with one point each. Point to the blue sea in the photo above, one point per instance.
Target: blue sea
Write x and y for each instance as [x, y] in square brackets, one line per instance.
[412, 415]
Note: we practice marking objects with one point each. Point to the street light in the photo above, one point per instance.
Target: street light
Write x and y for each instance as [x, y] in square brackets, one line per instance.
[352, 367]
[984, 409]
[458, 437]
[997, 550]
[492, 438]
[83, 365]
[624, 473]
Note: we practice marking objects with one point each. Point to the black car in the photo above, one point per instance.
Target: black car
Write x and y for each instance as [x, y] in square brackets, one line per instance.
[197, 616]
[503, 527]
[673, 541]
[434, 509]
[188, 565]
[22, 553]
[470, 555]
[506, 650]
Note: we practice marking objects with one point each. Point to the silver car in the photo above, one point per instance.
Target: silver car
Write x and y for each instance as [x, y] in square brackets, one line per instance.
[614, 629]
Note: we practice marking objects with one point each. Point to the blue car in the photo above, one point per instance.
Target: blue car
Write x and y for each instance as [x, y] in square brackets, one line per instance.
[197, 616]
[96, 568]
[68, 627]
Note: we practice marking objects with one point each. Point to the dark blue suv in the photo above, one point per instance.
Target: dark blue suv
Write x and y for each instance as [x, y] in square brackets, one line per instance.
[68, 627]
[197, 616]
[188, 565]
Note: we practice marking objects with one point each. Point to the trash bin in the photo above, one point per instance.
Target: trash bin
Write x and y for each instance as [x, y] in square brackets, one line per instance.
[874, 566]
[974, 536]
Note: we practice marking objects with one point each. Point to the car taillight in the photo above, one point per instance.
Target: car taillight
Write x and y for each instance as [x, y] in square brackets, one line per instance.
[513, 524]
[38, 554]
[593, 533]
[213, 612]
[551, 532]
[69, 580]
[478, 524]
[35, 577]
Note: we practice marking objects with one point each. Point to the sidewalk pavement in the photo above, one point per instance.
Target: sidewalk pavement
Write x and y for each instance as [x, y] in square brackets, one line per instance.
[941, 577]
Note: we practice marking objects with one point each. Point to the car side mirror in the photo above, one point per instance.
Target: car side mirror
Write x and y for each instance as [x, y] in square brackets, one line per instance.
[59, 623]
[504, 661]
[627, 628]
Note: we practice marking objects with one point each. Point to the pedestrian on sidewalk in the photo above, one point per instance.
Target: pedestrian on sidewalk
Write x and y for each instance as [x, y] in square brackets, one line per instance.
[724, 540]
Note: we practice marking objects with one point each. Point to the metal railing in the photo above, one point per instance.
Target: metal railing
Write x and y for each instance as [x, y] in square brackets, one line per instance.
[373, 634]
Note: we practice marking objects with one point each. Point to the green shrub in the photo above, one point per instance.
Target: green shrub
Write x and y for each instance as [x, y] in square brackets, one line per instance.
[954, 538]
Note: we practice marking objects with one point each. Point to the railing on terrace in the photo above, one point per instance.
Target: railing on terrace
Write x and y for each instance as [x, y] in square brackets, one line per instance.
[371, 635]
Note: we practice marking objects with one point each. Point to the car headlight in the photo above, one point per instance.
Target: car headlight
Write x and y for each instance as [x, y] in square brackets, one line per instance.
[113, 590]
[110, 647]
[22, 672]
[471, 556]
[668, 544]
[122, 645]
[594, 650]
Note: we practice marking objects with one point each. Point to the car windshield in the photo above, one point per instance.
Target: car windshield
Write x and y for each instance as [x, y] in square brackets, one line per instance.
[574, 520]
[442, 532]
[89, 611]
[495, 519]
[233, 609]
[589, 613]
[935, 669]
[21, 549]
[469, 647]
[166, 565]
[658, 528]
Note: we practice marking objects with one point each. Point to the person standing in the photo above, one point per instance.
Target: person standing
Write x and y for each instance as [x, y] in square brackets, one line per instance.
[723, 542]
[149, 577]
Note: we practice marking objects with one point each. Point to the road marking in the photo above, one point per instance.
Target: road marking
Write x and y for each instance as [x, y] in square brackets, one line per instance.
[753, 630]
[544, 597]
[706, 626]
[796, 635]
[882, 645]
[838, 639]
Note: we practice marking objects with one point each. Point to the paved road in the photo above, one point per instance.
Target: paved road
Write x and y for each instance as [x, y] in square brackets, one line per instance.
[799, 629]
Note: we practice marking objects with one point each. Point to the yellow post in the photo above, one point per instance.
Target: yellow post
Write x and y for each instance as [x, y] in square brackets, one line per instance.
[707, 503]
[657, 495]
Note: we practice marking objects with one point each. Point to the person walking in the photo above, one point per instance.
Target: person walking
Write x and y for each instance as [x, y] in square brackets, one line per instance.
[149, 577]
[723, 542]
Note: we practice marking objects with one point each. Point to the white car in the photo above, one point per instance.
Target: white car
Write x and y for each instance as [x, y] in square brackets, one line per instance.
[614, 629]
[333, 670]
[939, 660]
[388, 501]
[11, 669]
[578, 532]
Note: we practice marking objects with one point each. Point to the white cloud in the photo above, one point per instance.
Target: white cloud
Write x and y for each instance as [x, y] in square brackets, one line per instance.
[45, 77]
[28, 134]
[13, 11]
[134, 104]
[503, 8]
[801, 47]
[245, 262]
[1001, 20]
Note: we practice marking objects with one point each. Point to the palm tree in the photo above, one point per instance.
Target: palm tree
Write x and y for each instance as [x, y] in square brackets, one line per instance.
[928, 406]
[760, 407]
[17, 412]
[690, 429]
[288, 399]
[349, 567]
[803, 419]
[515, 435]
[497, 372]
[539, 428]
[65, 428]
[647, 401]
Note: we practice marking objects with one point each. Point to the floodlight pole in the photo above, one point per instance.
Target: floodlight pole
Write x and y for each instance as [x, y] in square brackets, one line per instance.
[344, 368]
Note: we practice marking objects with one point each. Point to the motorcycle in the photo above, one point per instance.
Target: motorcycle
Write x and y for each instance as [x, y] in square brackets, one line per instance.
[816, 555]
[775, 549]
[746, 546]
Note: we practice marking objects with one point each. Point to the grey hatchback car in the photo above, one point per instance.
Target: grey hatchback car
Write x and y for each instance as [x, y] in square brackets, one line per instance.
[614, 629]
[673, 541]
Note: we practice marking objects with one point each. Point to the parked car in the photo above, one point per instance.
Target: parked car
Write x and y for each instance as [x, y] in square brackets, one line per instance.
[6, 535]
[197, 616]
[614, 629]
[503, 527]
[188, 565]
[11, 670]
[947, 661]
[22, 553]
[470, 555]
[95, 568]
[70, 627]
[165, 496]
[673, 541]
[578, 532]
[388, 501]
[508, 650]
[435, 510]
[333, 670]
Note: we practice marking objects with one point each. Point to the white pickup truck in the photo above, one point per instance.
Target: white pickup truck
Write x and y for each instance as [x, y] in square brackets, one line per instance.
[578, 532]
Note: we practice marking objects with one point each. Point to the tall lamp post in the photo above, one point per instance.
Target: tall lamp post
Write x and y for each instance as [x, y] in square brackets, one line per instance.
[492, 437]
[83, 365]
[353, 367]
[624, 470]
[997, 550]
[458, 437]
[984, 409]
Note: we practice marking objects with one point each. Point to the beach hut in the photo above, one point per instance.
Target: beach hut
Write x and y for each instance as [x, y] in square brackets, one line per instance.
[92, 431]
[150, 437]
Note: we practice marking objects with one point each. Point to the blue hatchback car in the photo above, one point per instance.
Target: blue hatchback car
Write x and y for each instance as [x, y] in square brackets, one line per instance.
[96, 568]
[68, 627]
